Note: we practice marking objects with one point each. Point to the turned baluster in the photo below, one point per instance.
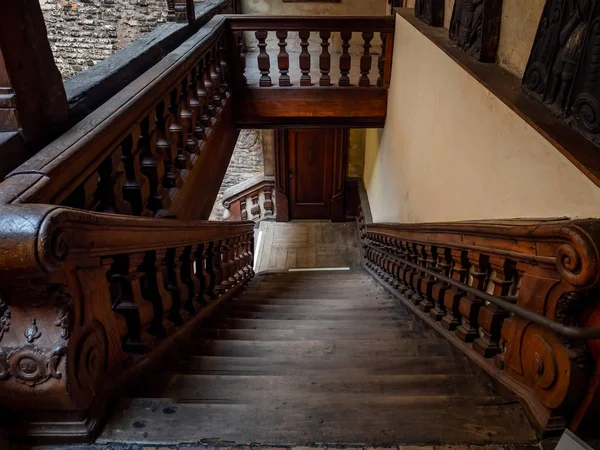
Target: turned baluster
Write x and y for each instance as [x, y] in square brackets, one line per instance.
[152, 286]
[264, 62]
[204, 100]
[109, 193]
[491, 316]
[173, 285]
[218, 287]
[453, 295]
[223, 52]
[366, 60]
[255, 210]
[238, 257]
[444, 264]
[209, 88]
[231, 247]
[246, 256]
[199, 273]
[209, 271]
[164, 148]
[188, 123]
[152, 167]
[177, 137]
[405, 269]
[135, 188]
[427, 282]
[243, 209]
[469, 307]
[215, 79]
[268, 204]
[325, 59]
[283, 59]
[126, 294]
[345, 59]
[225, 267]
[381, 60]
[196, 109]
[188, 276]
[415, 275]
[219, 72]
[251, 254]
[304, 59]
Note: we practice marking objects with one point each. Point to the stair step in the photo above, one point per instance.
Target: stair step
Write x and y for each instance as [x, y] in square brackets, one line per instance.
[290, 365]
[315, 326]
[326, 334]
[326, 302]
[437, 420]
[314, 389]
[315, 315]
[386, 311]
[317, 348]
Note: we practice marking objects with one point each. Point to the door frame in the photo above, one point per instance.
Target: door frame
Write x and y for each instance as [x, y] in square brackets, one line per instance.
[282, 171]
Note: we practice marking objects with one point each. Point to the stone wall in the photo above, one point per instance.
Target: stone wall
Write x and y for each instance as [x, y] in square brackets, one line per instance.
[84, 32]
[247, 161]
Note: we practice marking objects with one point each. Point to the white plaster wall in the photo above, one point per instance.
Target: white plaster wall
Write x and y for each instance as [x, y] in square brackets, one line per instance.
[451, 150]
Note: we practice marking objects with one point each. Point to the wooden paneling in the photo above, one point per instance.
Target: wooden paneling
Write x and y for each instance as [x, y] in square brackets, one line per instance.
[322, 107]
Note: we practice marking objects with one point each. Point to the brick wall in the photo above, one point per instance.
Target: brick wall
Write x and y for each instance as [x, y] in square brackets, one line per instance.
[84, 32]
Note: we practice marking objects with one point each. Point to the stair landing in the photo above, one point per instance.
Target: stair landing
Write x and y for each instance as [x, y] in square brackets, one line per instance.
[317, 358]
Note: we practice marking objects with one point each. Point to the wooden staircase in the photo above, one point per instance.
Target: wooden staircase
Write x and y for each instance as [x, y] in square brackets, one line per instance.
[304, 358]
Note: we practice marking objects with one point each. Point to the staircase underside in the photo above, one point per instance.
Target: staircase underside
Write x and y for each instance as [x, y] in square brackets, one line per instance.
[305, 358]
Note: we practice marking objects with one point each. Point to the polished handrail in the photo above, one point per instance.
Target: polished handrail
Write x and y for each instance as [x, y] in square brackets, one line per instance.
[564, 330]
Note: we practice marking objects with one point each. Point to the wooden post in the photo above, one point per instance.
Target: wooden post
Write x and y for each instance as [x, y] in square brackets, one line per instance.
[32, 94]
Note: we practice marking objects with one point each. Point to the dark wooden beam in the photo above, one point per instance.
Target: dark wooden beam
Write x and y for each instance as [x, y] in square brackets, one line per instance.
[32, 93]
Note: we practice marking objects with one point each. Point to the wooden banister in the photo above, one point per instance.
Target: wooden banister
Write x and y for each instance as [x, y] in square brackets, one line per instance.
[510, 294]
[83, 292]
[253, 199]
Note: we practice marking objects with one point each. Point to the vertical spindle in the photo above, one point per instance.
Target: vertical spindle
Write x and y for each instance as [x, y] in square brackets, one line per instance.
[304, 59]
[325, 59]
[283, 59]
[366, 60]
[345, 59]
[264, 62]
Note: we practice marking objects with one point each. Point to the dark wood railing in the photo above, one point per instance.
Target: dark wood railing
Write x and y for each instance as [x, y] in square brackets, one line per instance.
[307, 98]
[89, 300]
[518, 297]
[95, 283]
[253, 199]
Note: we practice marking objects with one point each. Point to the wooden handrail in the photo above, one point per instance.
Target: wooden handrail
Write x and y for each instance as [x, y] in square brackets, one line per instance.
[519, 297]
[54, 172]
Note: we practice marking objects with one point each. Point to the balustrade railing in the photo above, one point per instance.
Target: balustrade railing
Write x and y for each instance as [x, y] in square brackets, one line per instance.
[88, 300]
[253, 199]
[271, 36]
[519, 297]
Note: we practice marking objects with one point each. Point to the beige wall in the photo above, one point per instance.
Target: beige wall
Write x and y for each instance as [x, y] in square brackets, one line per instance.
[452, 151]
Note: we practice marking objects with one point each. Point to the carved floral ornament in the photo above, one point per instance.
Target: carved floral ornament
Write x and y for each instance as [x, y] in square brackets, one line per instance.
[29, 364]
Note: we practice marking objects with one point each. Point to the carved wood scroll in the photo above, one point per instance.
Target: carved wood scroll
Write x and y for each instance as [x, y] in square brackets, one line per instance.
[562, 71]
[550, 268]
[83, 292]
[430, 11]
[475, 27]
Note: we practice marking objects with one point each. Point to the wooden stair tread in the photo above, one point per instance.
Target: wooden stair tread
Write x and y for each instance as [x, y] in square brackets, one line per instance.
[357, 348]
[408, 365]
[165, 421]
[310, 358]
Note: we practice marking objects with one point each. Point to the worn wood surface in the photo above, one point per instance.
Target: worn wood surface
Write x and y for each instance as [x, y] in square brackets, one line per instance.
[375, 379]
[307, 244]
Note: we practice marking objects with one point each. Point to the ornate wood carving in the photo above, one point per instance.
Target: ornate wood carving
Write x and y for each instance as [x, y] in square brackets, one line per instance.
[549, 268]
[563, 64]
[430, 11]
[475, 27]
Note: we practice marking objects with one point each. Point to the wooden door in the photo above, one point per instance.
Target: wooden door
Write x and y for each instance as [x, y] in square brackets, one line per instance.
[311, 174]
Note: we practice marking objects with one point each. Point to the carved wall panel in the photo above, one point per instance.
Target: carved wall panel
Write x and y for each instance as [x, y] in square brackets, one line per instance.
[475, 27]
[563, 66]
[430, 11]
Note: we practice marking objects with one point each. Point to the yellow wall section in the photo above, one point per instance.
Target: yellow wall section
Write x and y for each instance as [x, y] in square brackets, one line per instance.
[451, 150]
